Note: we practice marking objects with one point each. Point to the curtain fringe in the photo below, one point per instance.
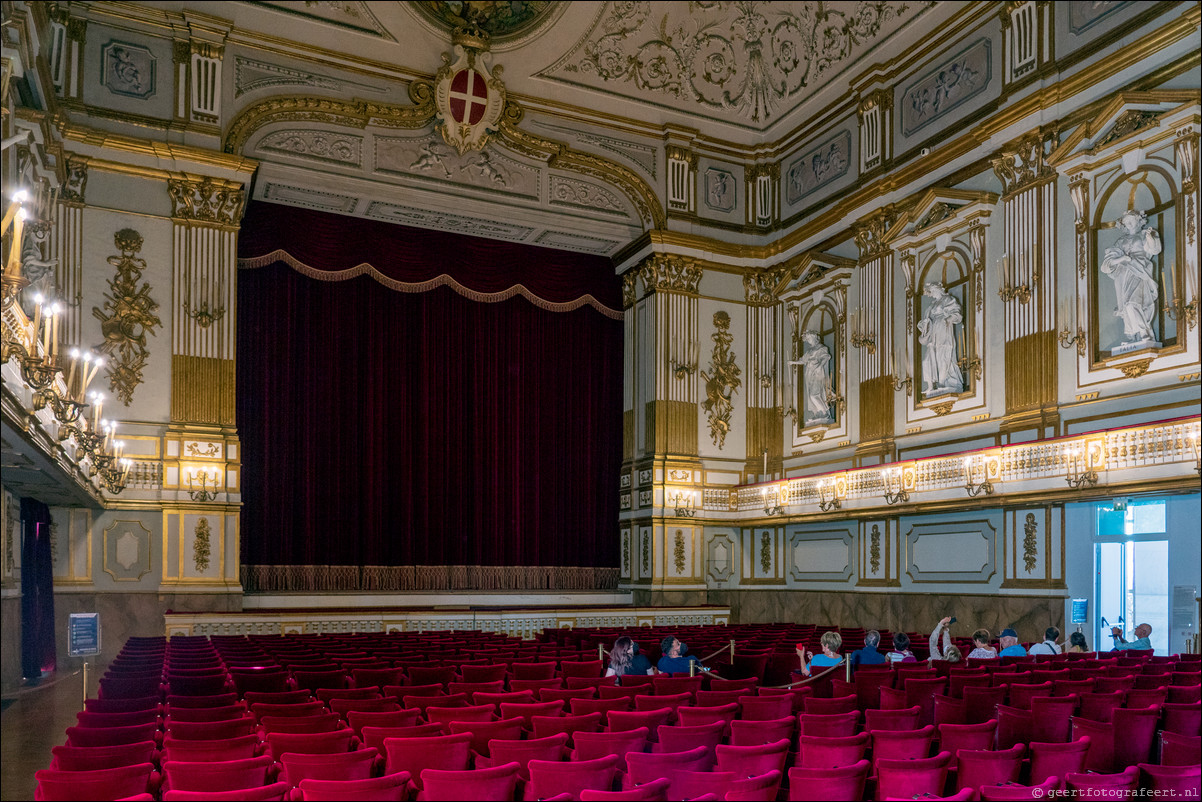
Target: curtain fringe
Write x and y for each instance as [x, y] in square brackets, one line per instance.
[442, 280]
[386, 578]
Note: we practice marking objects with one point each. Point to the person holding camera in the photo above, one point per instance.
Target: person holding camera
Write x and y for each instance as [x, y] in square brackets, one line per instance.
[1142, 638]
[948, 652]
[831, 642]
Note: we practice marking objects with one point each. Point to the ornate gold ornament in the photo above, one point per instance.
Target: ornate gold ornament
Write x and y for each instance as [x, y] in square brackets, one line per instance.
[1024, 162]
[661, 271]
[629, 288]
[207, 200]
[127, 317]
[766, 552]
[942, 409]
[1030, 548]
[763, 287]
[870, 232]
[678, 551]
[894, 483]
[200, 545]
[646, 554]
[721, 382]
[626, 555]
[1133, 370]
[1129, 122]
[874, 549]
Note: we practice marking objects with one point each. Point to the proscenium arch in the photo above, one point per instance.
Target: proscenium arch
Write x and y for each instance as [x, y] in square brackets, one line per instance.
[359, 114]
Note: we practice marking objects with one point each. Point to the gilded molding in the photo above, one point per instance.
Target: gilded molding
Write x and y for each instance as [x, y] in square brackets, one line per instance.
[721, 382]
[561, 155]
[127, 317]
[661, 271]
[682, 154]
[1133, 370]
[678, 554]
[207, 201]
[763, 287]
[629, 288]
[200, 545]
[1030, 543]
[1023, 163]
[355, 113]
[75, 186]
[870, 232]
[766, 552]
[879, 97]
[875, 549]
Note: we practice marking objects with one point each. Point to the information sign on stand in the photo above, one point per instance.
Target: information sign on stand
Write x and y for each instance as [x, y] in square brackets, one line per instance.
[83, 634]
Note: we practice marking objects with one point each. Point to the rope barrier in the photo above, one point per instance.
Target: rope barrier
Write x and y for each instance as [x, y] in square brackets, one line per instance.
[808, 680]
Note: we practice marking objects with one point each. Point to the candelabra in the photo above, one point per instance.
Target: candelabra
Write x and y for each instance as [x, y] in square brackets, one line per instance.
[1177, 309]
[861, 339]
[204, 315]
[1009, 292]
[1076, 477]
[683, 501]
[772, 502]
[684, 364]
[1197, 433]
[828, 496]
[1068, 340]
[13, 282]
[971, 467]
[1008, 287]
[114, 479]
[682, 369]
[894, 483]
[899, 383]
[970, 364]
[202, 486]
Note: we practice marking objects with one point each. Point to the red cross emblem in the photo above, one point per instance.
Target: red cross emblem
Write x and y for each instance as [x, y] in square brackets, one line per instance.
[468, 97]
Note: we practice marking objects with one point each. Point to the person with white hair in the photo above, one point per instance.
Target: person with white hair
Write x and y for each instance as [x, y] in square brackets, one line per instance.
[1142, 641]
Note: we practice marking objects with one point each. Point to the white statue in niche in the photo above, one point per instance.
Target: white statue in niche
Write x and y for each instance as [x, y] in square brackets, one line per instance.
[816, 367]
[1128, 262]
[937, 335]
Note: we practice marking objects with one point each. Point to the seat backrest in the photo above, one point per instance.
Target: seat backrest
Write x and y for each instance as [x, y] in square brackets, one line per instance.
[911, 778]
[355, 765]
[95, 758]
[835, 725]
[553, 747]
[1056, 759]
[901, 744]
[484, 784]
[375, 736]
[620, 720]
[1179, 750]
[110, 783]
[551, 778]
[447, 752]
[593, 745]
[309, 743]
[389, 788]
[445, 715]
[483, 732]
[751, 733]
[747, 761]
[544, 726]
[978, 767]
[646, 766]
[954, 737]
[903, 719]
[844, 782]
[823, 752]
[240, 748]
[111, 736]
[225, 775]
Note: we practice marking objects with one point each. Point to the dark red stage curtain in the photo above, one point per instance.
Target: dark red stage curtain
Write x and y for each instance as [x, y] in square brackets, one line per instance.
[391, 428]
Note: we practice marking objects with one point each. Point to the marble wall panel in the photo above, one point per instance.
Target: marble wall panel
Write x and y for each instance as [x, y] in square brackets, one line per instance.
[10, 646]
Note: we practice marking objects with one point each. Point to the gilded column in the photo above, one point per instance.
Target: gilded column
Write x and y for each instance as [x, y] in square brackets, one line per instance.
[871, 333]
[1027, 280]
[765, 385]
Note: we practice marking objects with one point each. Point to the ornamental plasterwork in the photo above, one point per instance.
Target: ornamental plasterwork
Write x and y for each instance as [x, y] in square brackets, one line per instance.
[643, 156]
[207, 200]
[664, 272]
[76, 183]
[251, 74]
[721, 382]
[127, 317]
[200, 545]
[586, 195]
[874, 551]
[325, 146]
[1024, 163]
[818, 167]
[762, 287]
[766, 552]
[749, 59]
[1030, 547]
[341, 13]
[429, 158]
[870, 233]
[678, 551]
[445, 221]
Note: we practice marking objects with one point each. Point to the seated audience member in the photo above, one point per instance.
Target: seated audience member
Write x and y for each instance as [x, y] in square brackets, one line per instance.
[624, 658]
[1076, 642]
[1049, 645]
[901, 650]
[831, 643]
[1008, 640]
[868, 656]
[949, 652]
[1142, 634]
[675, 661]
[981, 648]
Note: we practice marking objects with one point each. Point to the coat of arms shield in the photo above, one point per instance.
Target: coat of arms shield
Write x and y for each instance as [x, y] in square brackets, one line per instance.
[469, 98]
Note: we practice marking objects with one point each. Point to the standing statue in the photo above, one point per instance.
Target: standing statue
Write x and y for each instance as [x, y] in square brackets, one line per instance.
[816, 367]
[1128, 262]
[937, 334]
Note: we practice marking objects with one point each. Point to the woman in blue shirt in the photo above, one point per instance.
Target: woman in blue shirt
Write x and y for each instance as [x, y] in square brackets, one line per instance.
[831, 643]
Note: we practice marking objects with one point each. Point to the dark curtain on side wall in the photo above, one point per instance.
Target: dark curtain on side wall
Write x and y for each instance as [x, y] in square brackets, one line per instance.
[382, 427]
[37, 591]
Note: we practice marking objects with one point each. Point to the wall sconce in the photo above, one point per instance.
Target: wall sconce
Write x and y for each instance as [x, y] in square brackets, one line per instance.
[894, 482]
[1074, 459]
[974, 466]
[1009, 289]
[772, 502]
[114, 479]
[684, 501]
[828, 496]
[860, 338]
[685, 366]
[898, 382]
[1068, 340]
[1197, 433]
[203, 485]
[1176, 308]
[14, 216]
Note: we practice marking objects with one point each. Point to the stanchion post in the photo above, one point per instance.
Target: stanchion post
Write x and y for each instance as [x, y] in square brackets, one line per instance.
[847, 667]
[692, 668]
[601, 652]
[732, 650]
[85, 683]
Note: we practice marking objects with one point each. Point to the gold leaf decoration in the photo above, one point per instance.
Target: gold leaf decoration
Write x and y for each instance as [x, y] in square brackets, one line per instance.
[678, 551]
[646, 555]
[874, 550]
[721, 382]
[626, 555]
[766, 552]
[200, 545]
[1030, 550]
[127, 317]
[1133, 370]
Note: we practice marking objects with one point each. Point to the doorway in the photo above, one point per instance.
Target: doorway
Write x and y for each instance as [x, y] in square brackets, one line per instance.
[1132, 559]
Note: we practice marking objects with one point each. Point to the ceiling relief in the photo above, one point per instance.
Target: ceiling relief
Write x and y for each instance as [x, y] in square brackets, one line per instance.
[252, 74]
[429, 158]
[749, 60]
[342, 13]
[502, 21]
